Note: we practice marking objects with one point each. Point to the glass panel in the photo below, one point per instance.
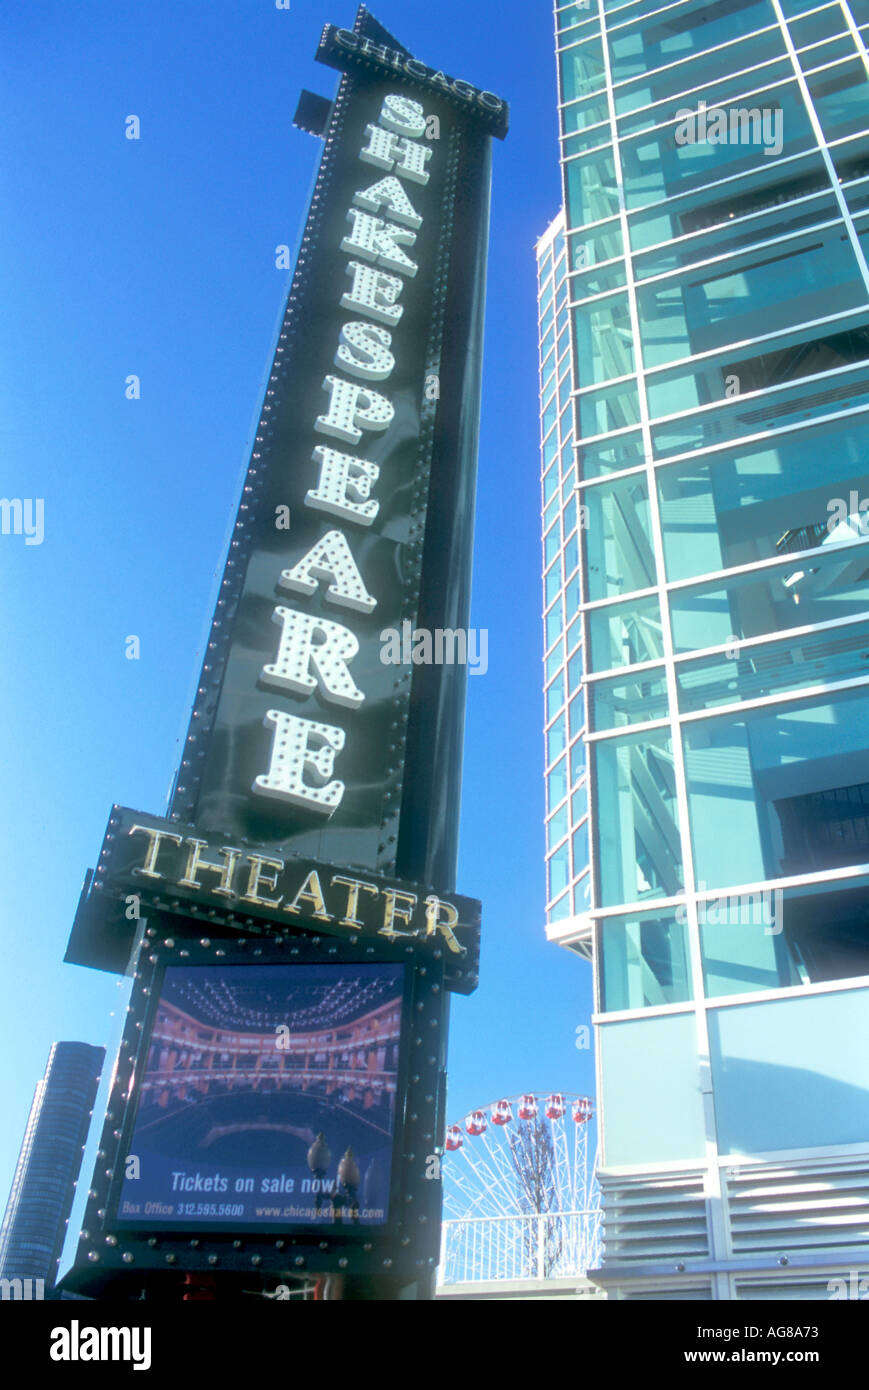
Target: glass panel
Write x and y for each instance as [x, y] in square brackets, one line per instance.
[733, 235]
[782, 406]
[787, 1074]
[556, 828]
[635, 699]
[742, 945]
[598, 281]
[817, 26]
[556, 739]
[841, 98]
[700, 148]
[575, 672]
[740, 371]
[604, 343]
[582, 896]
[610, 408]
[556, 784]
[618, 542]
[571, 556]
[583, 140]
[592, 194]
[554, 624]
[582, 70]
[635, 814]
[625, 634]
[682, 31]
[558, 871]
[722, 77]
[553, 661]
[654, 1106]
[794, 7]
[774, 668]
[600, 244]
[551, 544]
[752, 295]
[643, 962]
[610, 455]
[554, 697]
[753, 192]
[578, 761]
[765, 500]
[560, 910]
[584, 113]
[580, 12]
[579, 804]
[835, 585]
[790, 783]
[825, 930]
[579, 845]
[552, 584]
[829, 52]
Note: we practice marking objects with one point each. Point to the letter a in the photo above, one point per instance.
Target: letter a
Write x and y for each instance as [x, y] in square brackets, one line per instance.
[389, 193]
[330, 558]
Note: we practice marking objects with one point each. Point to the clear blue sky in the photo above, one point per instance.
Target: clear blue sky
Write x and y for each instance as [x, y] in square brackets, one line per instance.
[157, 258]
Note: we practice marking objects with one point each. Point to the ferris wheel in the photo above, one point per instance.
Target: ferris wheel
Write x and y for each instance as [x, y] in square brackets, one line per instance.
[521, 1198]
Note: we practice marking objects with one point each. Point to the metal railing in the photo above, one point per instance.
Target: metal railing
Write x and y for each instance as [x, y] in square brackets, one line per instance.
[540, 1245]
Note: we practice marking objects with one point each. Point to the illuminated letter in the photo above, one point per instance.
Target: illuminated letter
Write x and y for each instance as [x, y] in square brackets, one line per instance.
[345, 485]
[380, 241]
[312, 891]
[403, 116]
[353, 408]
[374, 293]
[392, 910]
[353, 885]
[195, 862]
[433, 908]
[393, 152]
[256, 877]
[155, 839]
[364, 351]
[390, 192]
[331, 559]
[308, 642]
[300, 747]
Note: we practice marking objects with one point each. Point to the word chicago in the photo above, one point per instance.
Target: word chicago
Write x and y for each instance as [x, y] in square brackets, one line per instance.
[314, 651]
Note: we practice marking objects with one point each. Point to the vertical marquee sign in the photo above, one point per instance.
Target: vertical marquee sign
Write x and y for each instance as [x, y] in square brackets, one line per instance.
[313, 823]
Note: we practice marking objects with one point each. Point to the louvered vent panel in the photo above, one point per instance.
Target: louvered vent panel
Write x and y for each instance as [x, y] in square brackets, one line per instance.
[654, 1219]
[799, 1207]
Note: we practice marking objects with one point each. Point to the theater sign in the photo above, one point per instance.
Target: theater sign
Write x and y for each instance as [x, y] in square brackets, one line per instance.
[315, 806]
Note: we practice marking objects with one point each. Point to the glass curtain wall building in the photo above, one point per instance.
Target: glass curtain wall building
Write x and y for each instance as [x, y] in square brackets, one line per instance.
[34, 1225]
[706, 576]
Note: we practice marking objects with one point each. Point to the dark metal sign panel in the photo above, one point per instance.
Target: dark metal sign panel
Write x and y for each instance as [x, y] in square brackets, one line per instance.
[233, 1051]
[309, 735]
[148, 863]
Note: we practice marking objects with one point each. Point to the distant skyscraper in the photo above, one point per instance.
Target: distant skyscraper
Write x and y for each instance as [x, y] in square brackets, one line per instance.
[705, 342]
[34, 1226]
